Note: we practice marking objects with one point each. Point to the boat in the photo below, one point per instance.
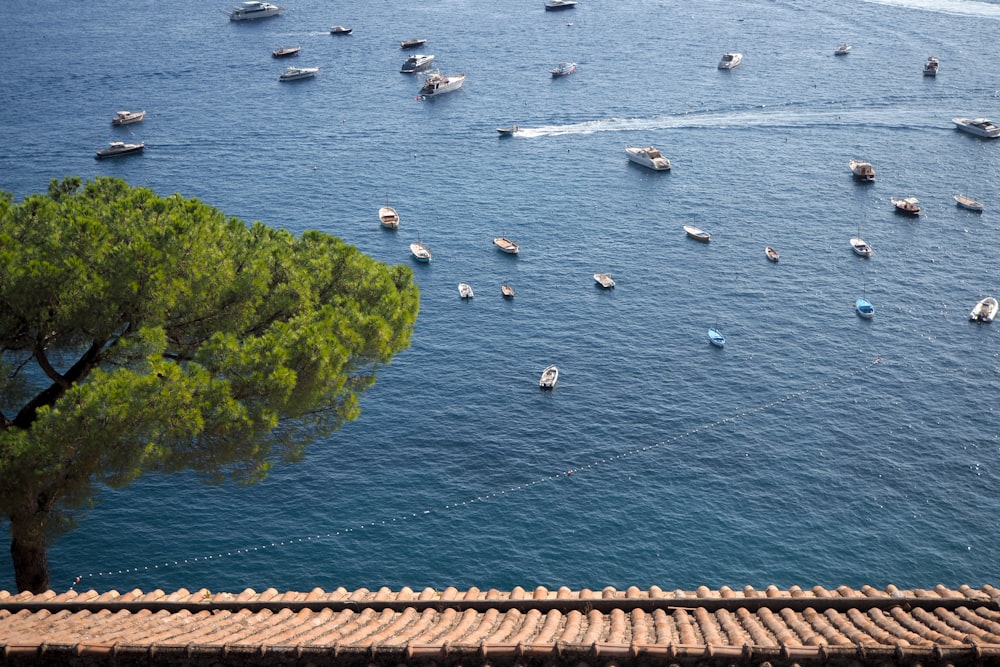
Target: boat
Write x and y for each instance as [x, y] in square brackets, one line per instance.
[120, 148]
[465, 291]
[908, 205]
[863, 171]
[421, 252]
[549, 377]
[716, 338]
[931, 66]
[555, 5]
[340, 30]
[648, 157]
[981, 127]
[286, 51]
[128, 117]
[842, 50]
[297, 73]
[416, 62]
[563, 69]
[604, 280]
[861, 248]
[730, 60]
[508, 246]
[439, 84]
[985, 310]
[697, 234]
[771, 253]
[508, 131]
[388, 216]
[507, 291]
[412, 43]
[254, 9]
[968, 203]
[864, 308]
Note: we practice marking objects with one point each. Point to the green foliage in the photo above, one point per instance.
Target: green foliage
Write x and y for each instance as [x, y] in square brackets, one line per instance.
[170, 337]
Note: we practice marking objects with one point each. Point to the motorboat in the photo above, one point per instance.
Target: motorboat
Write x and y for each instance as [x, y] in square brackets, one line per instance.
[931, 66]
[716, 338]
[981, 127]
[508, 246]
[968, 203]
[604, 280]
[286, 51]
[439, 84]
[648, 157]
[985, 310]
[771, 253]
[420, 252]
[119, 149]
[412, 43]
[861, 248]
[697, 234]
[128, 117]
[416, 62]
[507, 291]
[908, 205]
[730, 60]
[340, 30]
[863, 171]
[563, 69]
[254, 9]
[465, 291]
[842, 50]
[555, 5]
[864, 308]
[388, 216]
[508, 131]
[549, 377]
[297, 73]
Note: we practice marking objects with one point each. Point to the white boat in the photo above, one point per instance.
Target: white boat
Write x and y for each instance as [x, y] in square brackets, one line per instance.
[648, 157]
[563, 69]
[465, 291]
[297, 73]
[439, 84]
[507, 291]
[388, 216]
[908, 205]
[507, 245]
[554, 5]
[119, 149]
[730, 60]
[697, 234]
[968, 203]
[771, 253]
[254, 9]
[863, 171]
[842, 50]
[286, 51]
[549, 377]
[931, 66]
[416, 62]
[716, 338]
[421, 252]
[128, 117]
[604, 280]
[981, 127]
[508, 131]
[340, 30]
[861, 248]
[985, 310]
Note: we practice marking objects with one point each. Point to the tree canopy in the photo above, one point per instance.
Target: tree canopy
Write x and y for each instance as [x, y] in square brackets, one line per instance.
[143, 333]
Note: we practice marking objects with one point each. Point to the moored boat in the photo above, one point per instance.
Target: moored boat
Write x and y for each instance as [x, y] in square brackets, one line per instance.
[771, 253]
[697, 234]
[420, 252]
[931, 66]
[968, 203]
[298, 73]
[649, 157]
[985, 310]
[864, 308]
[465, 291]
[128, 117]
[604, 280]
[549, 377]
[119, 149]
[563, 69]
[863, 171]
[981, 127]
[416, 62]
[507, 291]
[554, 5]
[842, 50]
[860, 248]
[730, 60]
[507, 245]
[716, 338]
[340, 30]
[253, 9]
[908, 205]
[286, 51]
[412, 43]
[388, 216]
[439, 84]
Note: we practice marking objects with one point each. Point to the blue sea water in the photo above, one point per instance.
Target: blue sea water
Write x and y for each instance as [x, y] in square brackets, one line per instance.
[815, 448]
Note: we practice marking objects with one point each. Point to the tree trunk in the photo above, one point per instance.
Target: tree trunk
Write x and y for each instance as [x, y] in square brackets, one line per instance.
[31, 562]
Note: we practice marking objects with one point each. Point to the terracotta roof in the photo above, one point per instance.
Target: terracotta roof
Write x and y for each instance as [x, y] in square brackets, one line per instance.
[612, 628]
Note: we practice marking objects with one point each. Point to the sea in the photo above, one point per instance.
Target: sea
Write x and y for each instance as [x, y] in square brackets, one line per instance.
[815, 448]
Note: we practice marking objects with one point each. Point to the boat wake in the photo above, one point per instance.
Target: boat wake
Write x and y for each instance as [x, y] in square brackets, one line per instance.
[953, 7]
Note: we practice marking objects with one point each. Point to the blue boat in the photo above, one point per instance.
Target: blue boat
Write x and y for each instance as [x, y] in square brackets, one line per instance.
[864, 308]
[716, 338]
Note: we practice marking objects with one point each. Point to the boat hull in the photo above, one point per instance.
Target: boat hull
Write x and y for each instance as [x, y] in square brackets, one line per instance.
[980, 127]
[119, 151]
[968, 203]
[648, 157]
[697, 234]
[439, 85]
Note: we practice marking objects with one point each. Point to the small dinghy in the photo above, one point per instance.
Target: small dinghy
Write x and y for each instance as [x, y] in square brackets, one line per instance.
[549, 377]
[716, 338]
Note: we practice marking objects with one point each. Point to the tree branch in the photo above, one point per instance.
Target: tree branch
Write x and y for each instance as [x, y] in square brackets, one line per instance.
[43, 361]
[29, 413]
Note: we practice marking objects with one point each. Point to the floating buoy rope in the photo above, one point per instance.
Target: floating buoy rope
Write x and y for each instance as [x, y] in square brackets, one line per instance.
[487, 496]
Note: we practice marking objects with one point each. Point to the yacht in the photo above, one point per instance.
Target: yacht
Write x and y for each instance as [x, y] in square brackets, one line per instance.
[128, 117]
[119, 148]
[296, 73]
[981, 127]
[439, 84]
[554, 5]
[730, 60]
[254, 9]
[648, 157]
[416, 62]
